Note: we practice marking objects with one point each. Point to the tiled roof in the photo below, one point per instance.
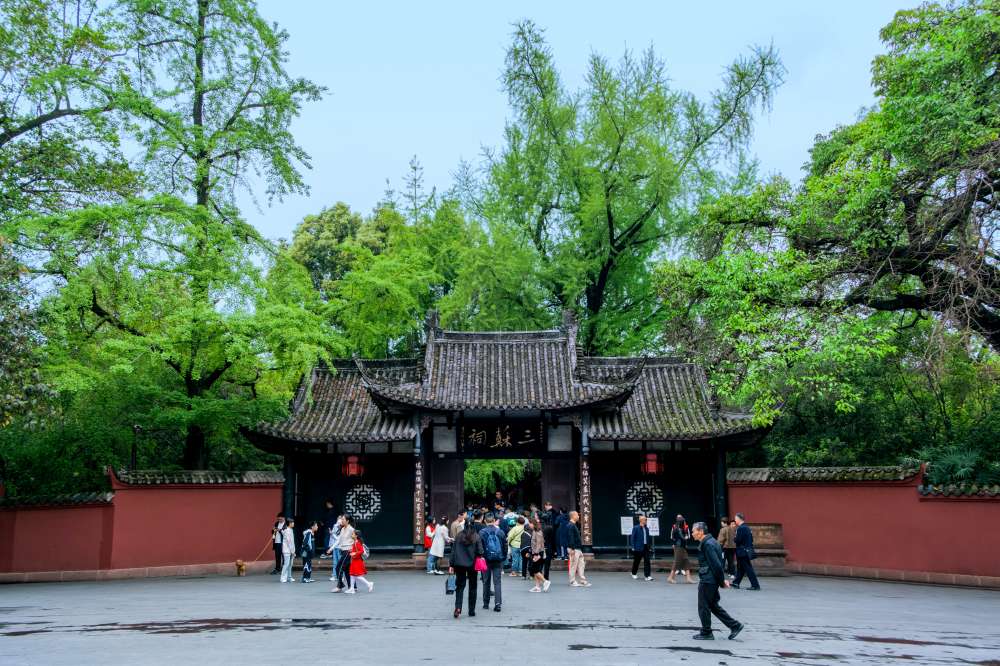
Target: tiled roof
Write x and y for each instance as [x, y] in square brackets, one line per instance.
[57, 500]
[531, 370]
[148, 477]
[335, 406]
[969, 490]
[823, 474]
[629, 398]
[671, 400]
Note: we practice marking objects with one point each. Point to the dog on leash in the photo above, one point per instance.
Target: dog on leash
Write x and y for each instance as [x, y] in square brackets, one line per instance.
[241, 568]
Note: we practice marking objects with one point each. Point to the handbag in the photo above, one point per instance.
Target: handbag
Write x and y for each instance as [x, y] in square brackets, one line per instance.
[480, 565]
[751, 553]
[450, 584]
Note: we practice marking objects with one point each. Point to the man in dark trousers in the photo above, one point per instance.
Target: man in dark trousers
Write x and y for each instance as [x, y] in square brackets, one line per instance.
[639, 542]
[495, 552]
[744, 554]
[711, 576]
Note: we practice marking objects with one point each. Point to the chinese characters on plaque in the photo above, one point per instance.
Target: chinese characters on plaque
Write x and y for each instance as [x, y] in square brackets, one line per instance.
[501, 438]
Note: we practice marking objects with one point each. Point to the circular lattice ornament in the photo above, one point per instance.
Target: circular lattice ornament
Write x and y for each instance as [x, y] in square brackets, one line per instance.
[644, 497]
[363, 502]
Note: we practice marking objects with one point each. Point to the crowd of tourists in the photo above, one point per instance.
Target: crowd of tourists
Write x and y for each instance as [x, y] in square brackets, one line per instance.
[484, 544]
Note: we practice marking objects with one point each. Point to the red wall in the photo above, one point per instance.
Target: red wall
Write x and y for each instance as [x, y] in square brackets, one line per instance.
[876, 525]
[163, 525]
[143, 526]
[56, 538]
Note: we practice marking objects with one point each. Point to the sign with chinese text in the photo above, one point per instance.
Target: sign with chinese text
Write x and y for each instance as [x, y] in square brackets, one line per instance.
[501, 438]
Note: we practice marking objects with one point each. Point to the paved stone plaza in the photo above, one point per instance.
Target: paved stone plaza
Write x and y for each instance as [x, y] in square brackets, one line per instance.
[795, 620]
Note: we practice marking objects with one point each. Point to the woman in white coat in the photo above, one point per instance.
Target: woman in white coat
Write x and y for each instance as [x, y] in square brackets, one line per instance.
[438, 542]
[287, 551]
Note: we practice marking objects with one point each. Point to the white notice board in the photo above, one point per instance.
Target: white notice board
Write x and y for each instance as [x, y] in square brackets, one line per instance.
[654, 526]
[626, 525]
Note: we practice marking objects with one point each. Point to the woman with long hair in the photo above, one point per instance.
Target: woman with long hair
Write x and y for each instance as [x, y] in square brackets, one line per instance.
[464, 551]
[537, 555]
[679, 535]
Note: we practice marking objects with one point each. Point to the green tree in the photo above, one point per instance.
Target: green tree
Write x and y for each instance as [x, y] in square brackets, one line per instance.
[64, 66]
[601, 180]
[874, 284]
[22, 391]
[180, 278]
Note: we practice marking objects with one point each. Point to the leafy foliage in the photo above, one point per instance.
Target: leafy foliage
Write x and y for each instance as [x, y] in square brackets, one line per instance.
[864, 300]
[599, 181]
[483, 477]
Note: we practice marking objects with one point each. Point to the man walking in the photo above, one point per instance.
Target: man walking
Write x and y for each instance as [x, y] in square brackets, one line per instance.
[495, 552]
[727, 539]
[574, 545]
[640, 544]
[744, 554]
[711, 576]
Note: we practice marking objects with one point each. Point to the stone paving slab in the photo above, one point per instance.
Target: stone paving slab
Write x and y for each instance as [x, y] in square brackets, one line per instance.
[407, 619]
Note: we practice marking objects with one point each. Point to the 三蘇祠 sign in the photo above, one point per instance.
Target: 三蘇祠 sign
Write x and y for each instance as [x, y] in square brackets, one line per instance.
[501, 438]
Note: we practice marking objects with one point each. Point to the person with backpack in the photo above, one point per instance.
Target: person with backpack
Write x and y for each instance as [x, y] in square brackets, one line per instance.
[514, 546]
[495, 552]
[287, 550]
[308, 551]
[467, 547]
[358, 569]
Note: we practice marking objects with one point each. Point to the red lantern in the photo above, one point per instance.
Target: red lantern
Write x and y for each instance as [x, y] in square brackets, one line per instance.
[352, 466]
[651, 464]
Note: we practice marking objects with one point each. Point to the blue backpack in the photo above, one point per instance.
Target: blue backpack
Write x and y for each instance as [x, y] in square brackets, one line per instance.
[491, 544]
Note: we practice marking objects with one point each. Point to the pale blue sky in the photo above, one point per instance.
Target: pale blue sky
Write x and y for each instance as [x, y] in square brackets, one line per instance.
[421, 78]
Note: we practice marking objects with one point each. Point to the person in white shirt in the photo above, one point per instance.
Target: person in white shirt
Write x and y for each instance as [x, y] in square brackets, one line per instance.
[345, 541]
[439, 539]
[287, 551]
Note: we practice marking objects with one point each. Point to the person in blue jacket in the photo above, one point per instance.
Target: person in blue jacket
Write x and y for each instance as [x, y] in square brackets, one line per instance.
[744, 555]
[641, 545]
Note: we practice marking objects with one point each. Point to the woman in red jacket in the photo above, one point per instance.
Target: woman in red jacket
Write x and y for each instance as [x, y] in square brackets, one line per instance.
[358, 568]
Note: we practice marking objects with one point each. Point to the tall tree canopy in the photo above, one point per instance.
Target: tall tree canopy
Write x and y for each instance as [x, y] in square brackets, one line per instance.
[600, 180]
[799, 292]
[170, 283]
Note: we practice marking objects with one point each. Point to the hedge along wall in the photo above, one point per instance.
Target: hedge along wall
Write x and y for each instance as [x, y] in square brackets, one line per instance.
[875, 522]
[150, 519]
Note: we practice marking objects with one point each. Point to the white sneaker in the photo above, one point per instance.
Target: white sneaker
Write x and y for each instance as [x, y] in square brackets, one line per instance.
[337, 589]
[535, 589]
[546, 585]
[575, 584]
[333, 578]
[351, 591]
[291, 580]
[586, 583]
[634, 577]
[649, 578]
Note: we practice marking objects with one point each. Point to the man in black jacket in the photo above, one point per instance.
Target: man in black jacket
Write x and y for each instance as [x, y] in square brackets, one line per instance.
[744, 555]
[711, 576]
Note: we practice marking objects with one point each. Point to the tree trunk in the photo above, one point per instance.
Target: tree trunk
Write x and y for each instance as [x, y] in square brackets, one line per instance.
[195, 451]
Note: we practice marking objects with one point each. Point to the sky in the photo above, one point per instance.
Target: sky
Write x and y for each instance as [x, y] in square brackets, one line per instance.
[422, 79]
